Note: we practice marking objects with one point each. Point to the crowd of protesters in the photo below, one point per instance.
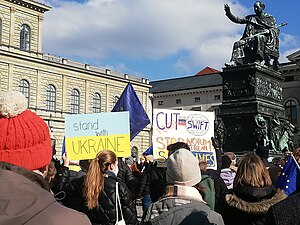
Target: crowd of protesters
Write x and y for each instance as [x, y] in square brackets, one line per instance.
[36, 188]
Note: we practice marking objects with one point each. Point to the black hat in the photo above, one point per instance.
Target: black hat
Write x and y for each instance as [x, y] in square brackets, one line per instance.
[262, 151]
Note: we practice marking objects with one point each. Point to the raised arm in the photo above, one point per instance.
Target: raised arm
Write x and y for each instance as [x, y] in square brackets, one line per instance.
[232, 17]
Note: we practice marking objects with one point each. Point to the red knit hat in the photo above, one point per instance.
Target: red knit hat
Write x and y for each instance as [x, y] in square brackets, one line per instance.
[24, 136]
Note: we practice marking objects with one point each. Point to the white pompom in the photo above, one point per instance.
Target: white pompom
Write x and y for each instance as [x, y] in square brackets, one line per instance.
[12, 103]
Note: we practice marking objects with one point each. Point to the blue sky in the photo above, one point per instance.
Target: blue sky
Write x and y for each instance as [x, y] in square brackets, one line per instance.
[156, 39]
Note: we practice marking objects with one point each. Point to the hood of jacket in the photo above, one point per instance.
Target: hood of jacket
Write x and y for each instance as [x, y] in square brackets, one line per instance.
[265, 199]
[21, 199]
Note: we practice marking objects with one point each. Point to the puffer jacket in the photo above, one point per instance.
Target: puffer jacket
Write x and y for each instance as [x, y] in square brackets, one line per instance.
[24, 202]
[249, 205]
[105, 214]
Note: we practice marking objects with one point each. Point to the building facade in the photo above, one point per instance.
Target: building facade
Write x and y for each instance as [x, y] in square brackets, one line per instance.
[291, 91]
[52, 85]
[196, 93]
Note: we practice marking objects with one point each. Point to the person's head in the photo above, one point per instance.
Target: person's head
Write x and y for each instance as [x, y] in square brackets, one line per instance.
[262, 151]
[232, 157]
[259, 7]
[202, 165]
[177, 145]
[296, 154]
[183, 169]
[148, 158]
[226, 162]
[24, 136]
[105, 160]
[277, 161]
[129, 161]
[51, 171]
[252, 172]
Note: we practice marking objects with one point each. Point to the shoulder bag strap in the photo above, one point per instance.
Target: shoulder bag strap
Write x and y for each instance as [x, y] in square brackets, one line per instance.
[118, 202]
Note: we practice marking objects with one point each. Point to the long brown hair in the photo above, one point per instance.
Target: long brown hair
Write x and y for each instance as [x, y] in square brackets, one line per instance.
[296, 154]
[252, 172]
[94, 180]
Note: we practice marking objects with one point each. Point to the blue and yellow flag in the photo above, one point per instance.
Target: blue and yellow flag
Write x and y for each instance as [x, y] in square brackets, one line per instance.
[289, 179]
[138, 117]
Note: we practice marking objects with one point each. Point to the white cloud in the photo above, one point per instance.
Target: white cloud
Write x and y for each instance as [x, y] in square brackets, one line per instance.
[213, 53]
[287, 40]
[134, 28]
[95, 30]
[283, 55]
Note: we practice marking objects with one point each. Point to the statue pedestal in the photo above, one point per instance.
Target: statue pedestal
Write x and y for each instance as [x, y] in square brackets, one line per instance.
[248, 91]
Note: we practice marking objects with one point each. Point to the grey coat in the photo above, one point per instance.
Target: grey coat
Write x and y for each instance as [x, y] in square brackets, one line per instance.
[174, 211]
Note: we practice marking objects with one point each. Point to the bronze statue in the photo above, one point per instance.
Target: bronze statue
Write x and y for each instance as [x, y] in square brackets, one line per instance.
[260, 38]
[261, 130]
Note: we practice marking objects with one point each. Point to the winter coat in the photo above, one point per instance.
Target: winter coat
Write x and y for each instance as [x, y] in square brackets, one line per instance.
[24, 202]
[228, 176]
[181, 205]
[274, 171]
[106, 212]
[249, 205]
[209, 194]
[126, 175]
[65, 177]
[285, 212]
[145, 181]
[157, 182]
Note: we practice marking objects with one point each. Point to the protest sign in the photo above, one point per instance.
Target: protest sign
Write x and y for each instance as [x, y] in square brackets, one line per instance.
[192, 127]
[88, 134]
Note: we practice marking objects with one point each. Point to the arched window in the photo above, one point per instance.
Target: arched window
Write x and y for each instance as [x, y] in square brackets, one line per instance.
[96, 103]
[51, 98]
[25, 37]
[24, 89]
[75, 101]
[291, 111]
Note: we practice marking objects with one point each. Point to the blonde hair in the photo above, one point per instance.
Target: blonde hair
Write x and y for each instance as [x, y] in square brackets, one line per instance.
[94, 180]
[252, 172]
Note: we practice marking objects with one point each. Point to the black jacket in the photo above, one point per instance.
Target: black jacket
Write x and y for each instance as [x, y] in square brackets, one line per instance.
[126, 175]
[106, 212]
[73, 197]
[285, 212]
[249, 205]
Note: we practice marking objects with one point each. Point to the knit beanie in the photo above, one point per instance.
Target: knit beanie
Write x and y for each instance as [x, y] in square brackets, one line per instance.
[183, 168]
[24, 136]
[262, 151]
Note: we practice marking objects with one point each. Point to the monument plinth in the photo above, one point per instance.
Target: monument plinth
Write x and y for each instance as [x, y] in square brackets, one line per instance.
[251, 106]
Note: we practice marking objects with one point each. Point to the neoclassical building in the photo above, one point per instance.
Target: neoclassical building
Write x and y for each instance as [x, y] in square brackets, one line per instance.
[201, 92]
[291, 90]
[56, 86]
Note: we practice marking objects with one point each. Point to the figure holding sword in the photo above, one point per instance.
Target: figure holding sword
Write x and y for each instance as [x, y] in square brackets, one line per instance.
[260, 38]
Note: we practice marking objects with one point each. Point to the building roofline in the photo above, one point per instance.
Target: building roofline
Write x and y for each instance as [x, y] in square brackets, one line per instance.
[34, 5]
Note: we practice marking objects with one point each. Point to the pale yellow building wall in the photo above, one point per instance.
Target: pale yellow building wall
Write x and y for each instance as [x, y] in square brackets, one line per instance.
[42, 70]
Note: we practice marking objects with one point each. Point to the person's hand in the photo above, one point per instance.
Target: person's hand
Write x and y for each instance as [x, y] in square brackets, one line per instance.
[66, 159]
[227, 8]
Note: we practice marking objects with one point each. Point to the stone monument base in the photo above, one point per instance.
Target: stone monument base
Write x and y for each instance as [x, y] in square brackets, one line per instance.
[251, 106]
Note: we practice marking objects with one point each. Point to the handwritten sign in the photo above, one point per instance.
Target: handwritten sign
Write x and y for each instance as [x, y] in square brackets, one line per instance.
[192, 127]
[88, 134]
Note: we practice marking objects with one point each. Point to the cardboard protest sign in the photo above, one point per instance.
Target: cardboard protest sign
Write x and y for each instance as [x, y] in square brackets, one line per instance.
[192, 127]
[88, 134]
